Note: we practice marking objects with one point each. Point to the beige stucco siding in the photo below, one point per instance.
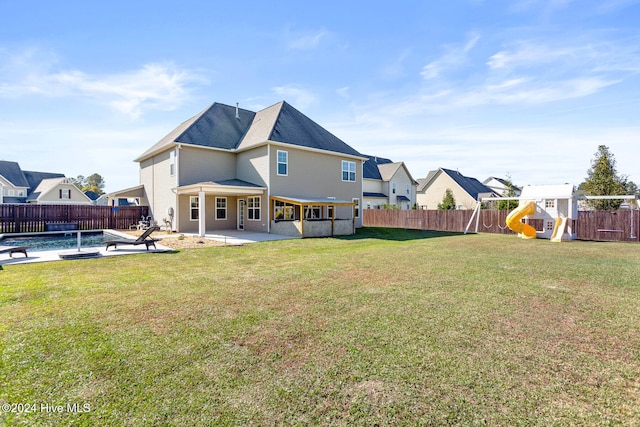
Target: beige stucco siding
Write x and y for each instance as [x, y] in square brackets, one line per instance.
[186, 225]
[202, 165]
[435, 193]
[53, 195]
[253, 166]
[316, 174]
[155, 175]
[402, 181]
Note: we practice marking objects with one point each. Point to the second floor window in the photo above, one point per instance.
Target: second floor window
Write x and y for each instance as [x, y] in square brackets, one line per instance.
[348, 171]
[408, 188]
[393, 187]
[283, 163]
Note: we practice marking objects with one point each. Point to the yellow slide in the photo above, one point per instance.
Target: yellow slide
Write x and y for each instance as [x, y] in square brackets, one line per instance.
[558, 231]
[514, 223]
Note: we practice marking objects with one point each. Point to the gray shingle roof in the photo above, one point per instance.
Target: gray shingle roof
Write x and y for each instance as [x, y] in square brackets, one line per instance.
[293, 127]
[370, 169]
[35, 178]
[470, 185]
[12, 172]
[218, 127]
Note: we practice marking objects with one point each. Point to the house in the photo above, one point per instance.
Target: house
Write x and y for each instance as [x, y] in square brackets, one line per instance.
[387, 183]
[273, 171]
[465, 190]
[500, 186]
[18, 186]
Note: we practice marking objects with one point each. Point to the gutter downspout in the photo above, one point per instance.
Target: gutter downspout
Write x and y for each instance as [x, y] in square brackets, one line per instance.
[269, 207]
[177, 199]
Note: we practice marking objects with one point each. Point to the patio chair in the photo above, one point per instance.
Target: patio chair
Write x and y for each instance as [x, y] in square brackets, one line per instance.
[14, 249]
[144, 239]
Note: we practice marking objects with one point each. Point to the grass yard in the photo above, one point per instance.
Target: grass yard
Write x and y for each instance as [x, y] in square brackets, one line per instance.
[389, 327]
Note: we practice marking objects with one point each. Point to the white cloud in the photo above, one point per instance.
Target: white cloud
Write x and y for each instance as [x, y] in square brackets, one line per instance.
[157, 86]
[300, 98]
[307, 41]
[453, 57]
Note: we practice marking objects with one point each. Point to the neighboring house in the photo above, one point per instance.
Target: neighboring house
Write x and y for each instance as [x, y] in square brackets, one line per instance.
[274, 170]
[431, 190]
[500, 187]
[58, 190]
[18, 186]
[387, 183]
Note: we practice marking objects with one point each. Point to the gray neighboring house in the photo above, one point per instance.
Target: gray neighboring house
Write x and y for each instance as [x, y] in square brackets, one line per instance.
[387, 183]
[18, 186]
[273, 171]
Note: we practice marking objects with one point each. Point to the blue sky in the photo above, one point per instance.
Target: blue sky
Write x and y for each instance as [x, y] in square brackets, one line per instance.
[526, 88]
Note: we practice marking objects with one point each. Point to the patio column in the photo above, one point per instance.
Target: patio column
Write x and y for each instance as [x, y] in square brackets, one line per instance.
[202, 223]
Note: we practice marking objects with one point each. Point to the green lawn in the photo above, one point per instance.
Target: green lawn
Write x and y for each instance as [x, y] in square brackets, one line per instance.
[389, 327]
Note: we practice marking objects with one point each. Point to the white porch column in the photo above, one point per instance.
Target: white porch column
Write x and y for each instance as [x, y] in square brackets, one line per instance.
[202, 223]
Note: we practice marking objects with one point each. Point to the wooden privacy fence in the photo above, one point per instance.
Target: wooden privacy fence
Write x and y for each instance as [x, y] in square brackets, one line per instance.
[29, 218]
[620, 225]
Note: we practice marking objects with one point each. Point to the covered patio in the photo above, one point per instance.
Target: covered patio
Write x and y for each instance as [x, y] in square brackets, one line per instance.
[311, 217]
[197, 196]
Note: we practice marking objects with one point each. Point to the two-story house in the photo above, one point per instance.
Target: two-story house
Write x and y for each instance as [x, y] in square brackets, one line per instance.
[465, 190]
[18, 186]
[387, 184]
[273, 171]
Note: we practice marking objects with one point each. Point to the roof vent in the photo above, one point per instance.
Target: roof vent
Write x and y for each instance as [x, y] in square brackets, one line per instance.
[237, 112]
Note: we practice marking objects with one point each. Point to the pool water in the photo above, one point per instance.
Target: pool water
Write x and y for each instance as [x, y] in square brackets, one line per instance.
[58, 241]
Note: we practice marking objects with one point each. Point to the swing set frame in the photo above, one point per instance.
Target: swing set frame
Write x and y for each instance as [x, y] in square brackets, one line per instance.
[478, 208]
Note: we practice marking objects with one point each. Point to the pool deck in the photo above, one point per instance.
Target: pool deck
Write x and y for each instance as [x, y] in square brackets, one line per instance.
[228, 237]
[43, 256]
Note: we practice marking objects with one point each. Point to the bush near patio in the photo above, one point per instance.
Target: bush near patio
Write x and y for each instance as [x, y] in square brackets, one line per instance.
[387, 327]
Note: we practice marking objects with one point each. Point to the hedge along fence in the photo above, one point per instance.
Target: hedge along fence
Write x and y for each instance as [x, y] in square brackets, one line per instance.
[619, 225]
[29, 218]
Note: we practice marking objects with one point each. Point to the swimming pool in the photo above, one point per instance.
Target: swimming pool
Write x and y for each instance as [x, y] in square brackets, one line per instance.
[55, 241]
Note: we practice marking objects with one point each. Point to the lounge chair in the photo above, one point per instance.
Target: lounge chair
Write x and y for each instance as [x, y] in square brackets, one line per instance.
[14, 249]
[144, 239]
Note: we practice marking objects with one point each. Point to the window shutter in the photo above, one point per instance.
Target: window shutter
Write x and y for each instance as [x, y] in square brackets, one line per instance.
[60, 190]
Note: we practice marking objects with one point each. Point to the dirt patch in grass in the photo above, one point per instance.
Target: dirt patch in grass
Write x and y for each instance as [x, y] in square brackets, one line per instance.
[178, 241]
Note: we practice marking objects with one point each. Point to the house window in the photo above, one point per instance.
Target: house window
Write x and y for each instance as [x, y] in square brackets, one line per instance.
[312, 212]
[393, 187]
[65, 193]
[357, 207]
[282, 211]
[253, 208]
[550, 204]
[221, 208]
[348, 171]
[408, 188]
[550, 225]
[172, 162]
[20, 193]
[194, 208]
[283, 163]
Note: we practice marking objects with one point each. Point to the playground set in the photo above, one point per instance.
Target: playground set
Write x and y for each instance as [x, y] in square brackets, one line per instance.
[555, 206]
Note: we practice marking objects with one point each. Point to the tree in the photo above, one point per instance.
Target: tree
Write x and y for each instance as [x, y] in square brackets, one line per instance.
[93, 182]
[448, 201]
[603, 180]
[507, 205]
